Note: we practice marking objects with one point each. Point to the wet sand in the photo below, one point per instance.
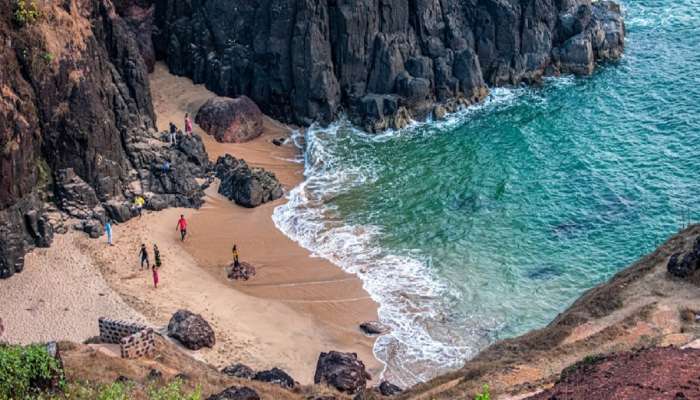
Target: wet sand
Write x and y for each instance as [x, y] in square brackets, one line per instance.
[321, 299]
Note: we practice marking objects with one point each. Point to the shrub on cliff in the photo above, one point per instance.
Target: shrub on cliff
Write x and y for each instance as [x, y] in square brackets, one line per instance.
[27, 370]
[26, 12]
[484, 395]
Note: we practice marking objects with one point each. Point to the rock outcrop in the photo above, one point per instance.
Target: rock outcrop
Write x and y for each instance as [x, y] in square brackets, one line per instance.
[342, 371]
[374, 328]
[243, 271]
[277, 377]
[388, 389]
[236, 393]
[239, 370]
[384, 62]
[248, 187]
[230, 120]
[684, 264]
[190, 329]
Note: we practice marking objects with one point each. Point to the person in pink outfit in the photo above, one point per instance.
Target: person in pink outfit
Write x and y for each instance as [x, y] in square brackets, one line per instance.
[188, 124]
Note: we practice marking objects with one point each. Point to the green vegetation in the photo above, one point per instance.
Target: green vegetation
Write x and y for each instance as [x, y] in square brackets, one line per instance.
[24, 371]
[26, 12]
[123, 391]
[48, 57]
[30, 373]
[173, 391]
[484, 395]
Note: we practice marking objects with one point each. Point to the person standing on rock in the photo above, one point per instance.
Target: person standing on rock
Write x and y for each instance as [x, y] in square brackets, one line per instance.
[156, 267]
[144, 256]
[188, 124]
[138, 203]
[235, 256]
[172, 135]
[108, 231]
[182, 226]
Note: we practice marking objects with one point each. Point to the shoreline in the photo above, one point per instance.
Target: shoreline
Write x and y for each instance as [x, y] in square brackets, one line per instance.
[296, 307]
[312, 290]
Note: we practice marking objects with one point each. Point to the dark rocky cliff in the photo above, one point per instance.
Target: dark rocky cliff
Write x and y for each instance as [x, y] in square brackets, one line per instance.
[75, 103]
[381, 61]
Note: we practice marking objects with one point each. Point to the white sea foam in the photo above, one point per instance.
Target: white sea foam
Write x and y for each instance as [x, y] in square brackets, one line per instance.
[412, 299]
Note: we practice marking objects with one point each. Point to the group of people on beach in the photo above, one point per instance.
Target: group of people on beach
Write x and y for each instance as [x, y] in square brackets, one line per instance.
[181, 226]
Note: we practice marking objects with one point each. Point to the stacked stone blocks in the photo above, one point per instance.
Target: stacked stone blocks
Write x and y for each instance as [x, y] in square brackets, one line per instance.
[135, 340]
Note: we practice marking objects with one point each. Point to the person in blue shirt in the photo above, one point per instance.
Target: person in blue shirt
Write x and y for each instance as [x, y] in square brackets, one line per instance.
[108, 231]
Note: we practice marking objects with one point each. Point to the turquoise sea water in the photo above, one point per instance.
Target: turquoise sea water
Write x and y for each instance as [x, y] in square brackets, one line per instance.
[488, 224]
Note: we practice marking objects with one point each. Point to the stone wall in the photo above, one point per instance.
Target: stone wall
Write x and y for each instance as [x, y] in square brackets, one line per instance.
[139, 344]
[135, 340]
[112, 331]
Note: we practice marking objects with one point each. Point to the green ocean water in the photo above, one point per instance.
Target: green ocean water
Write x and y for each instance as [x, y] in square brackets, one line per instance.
[488, 224]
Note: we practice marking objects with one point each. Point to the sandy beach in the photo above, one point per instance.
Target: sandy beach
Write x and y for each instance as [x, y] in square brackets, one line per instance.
[294, 308]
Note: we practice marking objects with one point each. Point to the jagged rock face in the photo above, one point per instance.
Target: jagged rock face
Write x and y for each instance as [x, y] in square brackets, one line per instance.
[277, 377]
[231, 120]
[193, 331]
[342, 371]
[303, 61]
[139, 15]
[73, 89]
[248, 187]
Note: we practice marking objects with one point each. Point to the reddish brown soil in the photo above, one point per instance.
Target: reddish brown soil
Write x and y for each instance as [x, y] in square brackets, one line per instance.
[659, 373]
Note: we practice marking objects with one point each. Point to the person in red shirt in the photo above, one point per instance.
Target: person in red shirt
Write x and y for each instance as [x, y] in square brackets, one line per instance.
[182, 226]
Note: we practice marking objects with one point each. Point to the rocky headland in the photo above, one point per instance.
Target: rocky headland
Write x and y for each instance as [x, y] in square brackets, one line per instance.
[383, 62]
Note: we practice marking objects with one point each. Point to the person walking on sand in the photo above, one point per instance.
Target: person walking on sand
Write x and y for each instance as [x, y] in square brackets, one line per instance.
[144, 256]
[182, 226]
[188, 124]
[108, 231]
[235, 256]
[172, 135]
[156, 267]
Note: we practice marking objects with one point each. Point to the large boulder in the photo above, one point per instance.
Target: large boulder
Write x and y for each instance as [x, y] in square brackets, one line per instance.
[193, 331]
[277, 377]
[231, 120]
[685, 264]
[388, 389]
[239, 370]
[342, 371]
[248, 187]
[236, 393]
